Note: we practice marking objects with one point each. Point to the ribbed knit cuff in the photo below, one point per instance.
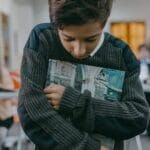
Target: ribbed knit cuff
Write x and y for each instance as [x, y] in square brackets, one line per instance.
[69, 100]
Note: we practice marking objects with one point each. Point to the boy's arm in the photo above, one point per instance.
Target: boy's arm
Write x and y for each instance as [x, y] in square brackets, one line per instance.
[120, 119]
[44, 126]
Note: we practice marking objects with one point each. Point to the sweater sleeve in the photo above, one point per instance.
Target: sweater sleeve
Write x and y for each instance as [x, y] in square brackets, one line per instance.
[44, 126]
[118, 119]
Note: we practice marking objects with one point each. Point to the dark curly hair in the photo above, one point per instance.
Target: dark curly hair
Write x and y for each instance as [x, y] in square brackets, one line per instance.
[77, 12]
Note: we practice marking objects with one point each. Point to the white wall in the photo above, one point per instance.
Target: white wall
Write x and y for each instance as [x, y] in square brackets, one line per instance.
[20, 14]
[41, 14]
[5, 6]
[23, 23]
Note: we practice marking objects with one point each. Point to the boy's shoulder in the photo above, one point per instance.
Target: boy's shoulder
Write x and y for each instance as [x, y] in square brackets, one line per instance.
[40, 28]
[126, 53]
[44, 29]
[116, 42]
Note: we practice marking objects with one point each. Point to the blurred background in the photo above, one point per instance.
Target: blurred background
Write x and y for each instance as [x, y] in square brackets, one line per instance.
[129, 20]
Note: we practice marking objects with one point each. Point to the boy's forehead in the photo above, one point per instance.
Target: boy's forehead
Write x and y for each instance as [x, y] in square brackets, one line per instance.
[84, 31]
[89, 26]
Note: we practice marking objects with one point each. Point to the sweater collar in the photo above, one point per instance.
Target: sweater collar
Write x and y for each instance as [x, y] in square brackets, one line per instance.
[98, 45]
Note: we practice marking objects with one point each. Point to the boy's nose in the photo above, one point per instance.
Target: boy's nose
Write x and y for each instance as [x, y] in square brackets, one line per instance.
[79, 50]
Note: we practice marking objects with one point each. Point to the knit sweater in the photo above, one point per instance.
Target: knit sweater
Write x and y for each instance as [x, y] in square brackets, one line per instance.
[48, 128]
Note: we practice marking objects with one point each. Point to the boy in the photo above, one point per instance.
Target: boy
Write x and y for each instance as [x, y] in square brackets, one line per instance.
[76, 35]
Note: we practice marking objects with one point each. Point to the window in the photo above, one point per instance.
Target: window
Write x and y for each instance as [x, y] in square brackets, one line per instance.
[131, 32]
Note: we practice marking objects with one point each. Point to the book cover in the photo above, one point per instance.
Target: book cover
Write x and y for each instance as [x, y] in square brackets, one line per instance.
[103, 83]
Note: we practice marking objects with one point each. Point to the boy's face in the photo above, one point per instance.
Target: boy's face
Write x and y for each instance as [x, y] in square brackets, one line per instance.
[80, 40]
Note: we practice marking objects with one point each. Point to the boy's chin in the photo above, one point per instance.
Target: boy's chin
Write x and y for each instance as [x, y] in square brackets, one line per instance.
[81, 57]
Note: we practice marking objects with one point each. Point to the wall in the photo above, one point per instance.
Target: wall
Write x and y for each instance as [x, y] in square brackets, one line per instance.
[40, 8]
[5, 6]
[20, 14]
[23, 23]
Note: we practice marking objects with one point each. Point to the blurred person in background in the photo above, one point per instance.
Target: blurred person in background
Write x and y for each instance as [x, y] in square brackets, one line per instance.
[144, 57]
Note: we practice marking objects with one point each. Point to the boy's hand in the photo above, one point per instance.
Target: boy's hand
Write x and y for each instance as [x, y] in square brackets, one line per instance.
[54, 93]
[104, 148]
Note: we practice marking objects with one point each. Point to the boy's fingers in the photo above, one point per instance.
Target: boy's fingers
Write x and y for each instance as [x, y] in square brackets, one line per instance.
[53, 96]
[56, 107]
[54, 102]
[104, 148]
[49, 88]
